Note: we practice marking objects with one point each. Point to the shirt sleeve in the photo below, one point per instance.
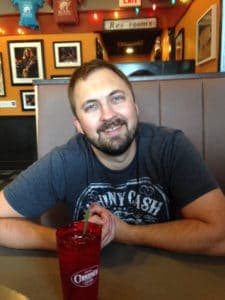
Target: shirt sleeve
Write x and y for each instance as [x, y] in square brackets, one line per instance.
[39, 187]
[189, 175]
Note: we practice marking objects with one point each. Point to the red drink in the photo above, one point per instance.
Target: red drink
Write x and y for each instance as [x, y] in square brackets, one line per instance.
[79, 258]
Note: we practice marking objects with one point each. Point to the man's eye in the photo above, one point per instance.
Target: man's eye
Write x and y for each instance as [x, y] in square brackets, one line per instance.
[90, 107]
[118, 98]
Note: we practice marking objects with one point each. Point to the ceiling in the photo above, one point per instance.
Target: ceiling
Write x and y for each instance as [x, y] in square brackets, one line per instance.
[116, 41]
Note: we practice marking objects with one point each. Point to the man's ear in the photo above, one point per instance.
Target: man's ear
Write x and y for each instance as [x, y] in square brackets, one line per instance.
[77, 125]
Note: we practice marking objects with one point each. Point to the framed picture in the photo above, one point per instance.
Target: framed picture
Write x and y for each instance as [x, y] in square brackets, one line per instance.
[28, 100]
[99, 49]
[2, 82]
[60, 76]
[179, 45]
[206, 36]
[26, 61]
[67, 54]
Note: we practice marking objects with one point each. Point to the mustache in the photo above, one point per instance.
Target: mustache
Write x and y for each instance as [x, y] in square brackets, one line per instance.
[111, 123]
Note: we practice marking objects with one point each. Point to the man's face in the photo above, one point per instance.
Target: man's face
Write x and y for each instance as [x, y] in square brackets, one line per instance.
[106, 112]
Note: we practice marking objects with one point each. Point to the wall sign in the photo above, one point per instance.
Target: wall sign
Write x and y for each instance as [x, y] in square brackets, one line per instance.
[130, 24]
[129, 3]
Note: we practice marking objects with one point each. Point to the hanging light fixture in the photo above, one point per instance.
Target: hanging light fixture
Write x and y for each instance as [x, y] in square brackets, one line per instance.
[129, 50]
[173, 2]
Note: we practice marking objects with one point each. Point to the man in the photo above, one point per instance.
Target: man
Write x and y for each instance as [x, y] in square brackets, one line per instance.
[144, 184]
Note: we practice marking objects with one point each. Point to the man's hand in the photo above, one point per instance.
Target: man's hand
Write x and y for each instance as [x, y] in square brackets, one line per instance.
[200, 231]
[110, 223]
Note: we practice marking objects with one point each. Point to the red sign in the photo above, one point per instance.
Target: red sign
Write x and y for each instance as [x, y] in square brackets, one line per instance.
[129, 3]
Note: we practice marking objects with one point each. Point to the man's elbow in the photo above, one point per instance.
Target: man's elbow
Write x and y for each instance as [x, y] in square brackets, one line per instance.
[216, 246]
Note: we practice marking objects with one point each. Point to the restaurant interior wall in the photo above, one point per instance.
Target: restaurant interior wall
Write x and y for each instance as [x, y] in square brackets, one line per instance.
[49, 32]
[188, 22]
[13, 91]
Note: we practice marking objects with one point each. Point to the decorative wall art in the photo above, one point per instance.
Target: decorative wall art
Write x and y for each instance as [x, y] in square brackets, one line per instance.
[67, 54]
[26, 61]
[28, 100]
[60, 76]
[28, 10]
[2, 82]
[99, 49]
[179, 45]
[206, 36]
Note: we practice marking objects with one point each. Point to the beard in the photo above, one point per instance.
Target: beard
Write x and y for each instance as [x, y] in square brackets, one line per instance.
[116, 145]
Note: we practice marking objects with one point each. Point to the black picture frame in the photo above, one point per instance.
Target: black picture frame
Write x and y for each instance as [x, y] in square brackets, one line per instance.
[26, 59]
[67, 54]
[179, 45]
[60, 76]
[2, 78]
[99, 49]
[28, 101]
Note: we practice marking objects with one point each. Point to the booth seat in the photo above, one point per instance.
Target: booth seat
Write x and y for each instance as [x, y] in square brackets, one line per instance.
[193, 103]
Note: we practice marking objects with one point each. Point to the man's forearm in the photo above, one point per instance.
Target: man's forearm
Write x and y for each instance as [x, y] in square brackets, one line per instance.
[23, 234]
[186, 235]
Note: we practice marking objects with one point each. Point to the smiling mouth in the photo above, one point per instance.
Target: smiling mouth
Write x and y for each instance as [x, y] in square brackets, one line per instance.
[111, 126]
[111, 129]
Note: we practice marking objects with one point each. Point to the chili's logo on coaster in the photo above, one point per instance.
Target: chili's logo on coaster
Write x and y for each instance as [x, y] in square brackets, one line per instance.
[85, 277]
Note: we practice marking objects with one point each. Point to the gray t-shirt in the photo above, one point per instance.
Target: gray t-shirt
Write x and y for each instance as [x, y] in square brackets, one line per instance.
[166, 174]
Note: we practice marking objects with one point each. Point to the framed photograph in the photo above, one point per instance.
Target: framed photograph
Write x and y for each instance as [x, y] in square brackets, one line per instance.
[206, 36]
[26, 61]
[28, 100]
[60, 76]
[2, 82]
[67, 54]
[179, 45]
[99, 49]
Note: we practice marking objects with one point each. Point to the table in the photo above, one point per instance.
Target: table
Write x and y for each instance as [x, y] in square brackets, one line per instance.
[127, 272]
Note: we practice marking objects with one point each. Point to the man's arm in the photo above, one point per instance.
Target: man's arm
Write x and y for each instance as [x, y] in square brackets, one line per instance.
[200, 231]
[17, 232]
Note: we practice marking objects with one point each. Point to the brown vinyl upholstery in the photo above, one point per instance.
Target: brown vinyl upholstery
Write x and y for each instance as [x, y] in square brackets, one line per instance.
[195, 104]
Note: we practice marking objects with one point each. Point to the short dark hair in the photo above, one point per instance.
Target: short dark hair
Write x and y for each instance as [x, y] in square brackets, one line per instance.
[87, 68]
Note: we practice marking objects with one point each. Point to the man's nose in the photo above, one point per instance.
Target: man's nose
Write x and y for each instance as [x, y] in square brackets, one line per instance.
[107, 112]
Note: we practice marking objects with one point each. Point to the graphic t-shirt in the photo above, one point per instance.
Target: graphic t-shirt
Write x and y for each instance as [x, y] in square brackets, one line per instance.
[166, 174]
[28, 10]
